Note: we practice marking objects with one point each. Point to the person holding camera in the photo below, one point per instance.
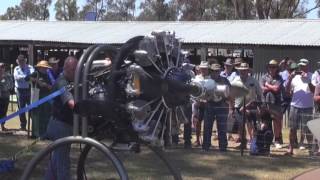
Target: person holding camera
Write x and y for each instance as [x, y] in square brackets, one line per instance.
[6, 84]
[300, 87]
[251, 101]
[272, 87]
[22, 86]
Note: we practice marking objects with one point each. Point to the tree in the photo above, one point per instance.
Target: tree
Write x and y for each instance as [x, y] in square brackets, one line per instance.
[158, 10]
[199, 10]
[66, 10]
[120, 10]
[268, 9]
[12, 13]
[96, 6]
[42, 7]
[29, 10]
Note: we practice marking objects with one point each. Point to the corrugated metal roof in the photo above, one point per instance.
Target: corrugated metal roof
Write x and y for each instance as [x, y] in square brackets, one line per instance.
[293, 32]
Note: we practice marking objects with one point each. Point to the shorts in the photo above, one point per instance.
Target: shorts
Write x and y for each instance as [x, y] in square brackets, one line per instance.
[298, 117]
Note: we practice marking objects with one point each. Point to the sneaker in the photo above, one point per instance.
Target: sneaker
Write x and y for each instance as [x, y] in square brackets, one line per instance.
[302, 148]
[277, 145]
[230, 138]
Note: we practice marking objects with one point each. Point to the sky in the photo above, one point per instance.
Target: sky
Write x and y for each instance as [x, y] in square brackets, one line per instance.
[9, 3]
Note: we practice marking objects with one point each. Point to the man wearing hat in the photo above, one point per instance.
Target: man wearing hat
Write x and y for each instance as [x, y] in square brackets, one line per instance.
[198, 106]
[22, 87]
[216, 108]
[55, 70]
[254, 95]
[228, 70]
[300, 87]
[41, 114]
[272, 87]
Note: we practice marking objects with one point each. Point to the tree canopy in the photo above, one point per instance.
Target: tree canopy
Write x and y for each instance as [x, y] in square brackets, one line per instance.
[161, 10]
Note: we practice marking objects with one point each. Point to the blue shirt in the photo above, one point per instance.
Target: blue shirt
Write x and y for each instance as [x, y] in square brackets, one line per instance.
[20, 75]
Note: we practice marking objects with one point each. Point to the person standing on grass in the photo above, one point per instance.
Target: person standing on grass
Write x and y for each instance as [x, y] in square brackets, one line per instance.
[6, 84]
[41, 115]
[254, 96]
[316, 99]
[272, 87]
[22, 86]
[198, 106]
[216, 109]
[60, 124]
[230, 75]
[301, 88]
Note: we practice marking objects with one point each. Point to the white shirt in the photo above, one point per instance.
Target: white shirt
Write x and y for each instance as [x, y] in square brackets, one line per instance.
[255, 93]
[302, 97]
[315, 80]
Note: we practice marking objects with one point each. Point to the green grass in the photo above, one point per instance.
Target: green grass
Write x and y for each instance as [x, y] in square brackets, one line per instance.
[193, 163]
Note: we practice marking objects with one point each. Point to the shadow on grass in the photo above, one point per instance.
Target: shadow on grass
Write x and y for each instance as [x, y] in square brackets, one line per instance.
[193, 163]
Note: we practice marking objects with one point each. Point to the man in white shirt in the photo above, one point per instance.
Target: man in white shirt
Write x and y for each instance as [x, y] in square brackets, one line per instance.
[199, 106]
[300, 86]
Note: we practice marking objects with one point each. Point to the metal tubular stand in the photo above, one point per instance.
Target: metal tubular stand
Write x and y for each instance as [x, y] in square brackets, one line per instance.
[71, 140]
[91, 58]
[77, 86]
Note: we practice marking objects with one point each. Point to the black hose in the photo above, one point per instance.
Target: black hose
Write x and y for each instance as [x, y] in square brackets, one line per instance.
[83, 156]
[71, 140]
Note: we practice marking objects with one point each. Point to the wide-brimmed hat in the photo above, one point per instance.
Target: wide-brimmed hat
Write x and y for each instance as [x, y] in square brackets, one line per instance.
[215, 67]
[44, 64]
[243, 66]
[204, 64]
[302, 64]
[306, 61]
[53, 60]
[273, 62]
[229, 62]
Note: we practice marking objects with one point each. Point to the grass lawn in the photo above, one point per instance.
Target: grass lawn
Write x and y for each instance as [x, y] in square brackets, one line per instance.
[193, 163]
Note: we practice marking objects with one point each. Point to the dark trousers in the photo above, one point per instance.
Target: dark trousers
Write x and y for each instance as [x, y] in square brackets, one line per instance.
[23, 96]
[187, 126]
[215, 111]
[4, 103]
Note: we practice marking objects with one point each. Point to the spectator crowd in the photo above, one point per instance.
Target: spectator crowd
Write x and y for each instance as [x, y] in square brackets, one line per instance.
[256, 119]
